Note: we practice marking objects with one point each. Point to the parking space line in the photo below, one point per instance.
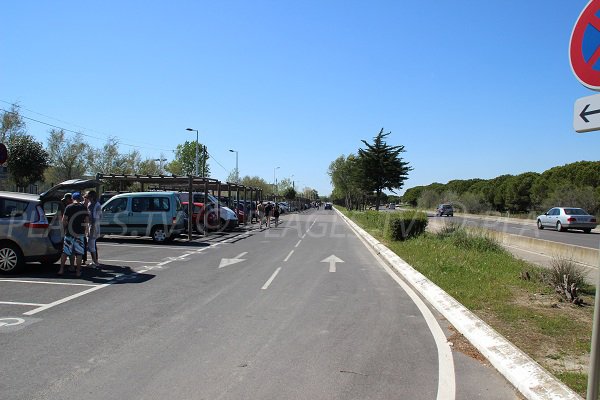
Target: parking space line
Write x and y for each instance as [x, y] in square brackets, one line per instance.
[47, 283]
[130, 261]
[64, 300]
[15, 303]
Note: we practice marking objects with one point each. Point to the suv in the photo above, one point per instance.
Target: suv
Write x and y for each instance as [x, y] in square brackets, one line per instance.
[30, 230]
[444, 209]
[159, 215]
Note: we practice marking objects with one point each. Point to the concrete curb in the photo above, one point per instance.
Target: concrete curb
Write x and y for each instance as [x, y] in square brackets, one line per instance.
[533, 381]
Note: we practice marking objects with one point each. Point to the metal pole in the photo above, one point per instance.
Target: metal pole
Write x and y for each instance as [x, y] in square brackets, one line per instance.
[196, 152]
[594, 374]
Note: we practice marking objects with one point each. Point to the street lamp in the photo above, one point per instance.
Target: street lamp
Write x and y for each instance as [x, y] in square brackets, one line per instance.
[275, 179]
[191, 130]
[237, 171]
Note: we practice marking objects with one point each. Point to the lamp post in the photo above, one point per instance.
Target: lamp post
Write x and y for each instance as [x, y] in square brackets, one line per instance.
[237, 171]
[275, 180]
[191, 130]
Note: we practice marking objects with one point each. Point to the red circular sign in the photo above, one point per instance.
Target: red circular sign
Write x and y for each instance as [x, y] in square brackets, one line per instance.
[584, 48]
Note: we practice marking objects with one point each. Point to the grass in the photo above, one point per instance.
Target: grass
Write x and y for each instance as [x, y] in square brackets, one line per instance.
[485, 278]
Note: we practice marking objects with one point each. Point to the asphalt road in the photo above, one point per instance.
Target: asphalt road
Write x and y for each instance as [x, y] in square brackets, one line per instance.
[258, 314]
[529, 229]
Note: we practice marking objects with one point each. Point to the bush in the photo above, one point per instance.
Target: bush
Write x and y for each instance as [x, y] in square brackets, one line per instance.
[561, 267]
[406, 224]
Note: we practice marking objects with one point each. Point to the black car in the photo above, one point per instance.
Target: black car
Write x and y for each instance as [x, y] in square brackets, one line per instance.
[328, 206]
[444, 209]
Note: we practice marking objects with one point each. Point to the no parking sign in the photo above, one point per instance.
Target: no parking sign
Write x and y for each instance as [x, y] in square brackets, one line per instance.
[584, 48]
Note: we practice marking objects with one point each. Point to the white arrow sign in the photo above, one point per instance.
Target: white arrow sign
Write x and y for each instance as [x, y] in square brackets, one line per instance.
[586, 116]
[332, 260]
[230, 261]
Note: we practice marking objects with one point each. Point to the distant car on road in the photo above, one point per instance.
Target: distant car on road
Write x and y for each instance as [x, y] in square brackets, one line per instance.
[392, 206]
[328, 206]
[444, 209]
[564, 218]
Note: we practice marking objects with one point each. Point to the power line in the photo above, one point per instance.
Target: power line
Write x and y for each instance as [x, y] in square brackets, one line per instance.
[78, 133]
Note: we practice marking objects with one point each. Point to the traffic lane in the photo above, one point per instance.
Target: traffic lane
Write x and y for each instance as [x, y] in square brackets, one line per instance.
[576, 238]
[474, 380]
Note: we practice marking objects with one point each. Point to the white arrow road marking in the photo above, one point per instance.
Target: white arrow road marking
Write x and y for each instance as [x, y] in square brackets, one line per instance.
[332, 260]
[230, 261]
[10, 321]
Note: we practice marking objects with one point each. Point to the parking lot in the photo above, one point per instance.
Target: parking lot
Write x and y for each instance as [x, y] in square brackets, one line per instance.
[24, 298]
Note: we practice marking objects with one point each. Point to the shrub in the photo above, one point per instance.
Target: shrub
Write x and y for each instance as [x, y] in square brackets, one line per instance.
[561, 267]
[406, 224]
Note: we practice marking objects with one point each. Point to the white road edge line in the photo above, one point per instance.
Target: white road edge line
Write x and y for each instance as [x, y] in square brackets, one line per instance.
[268, 283]
[64, 300]
[447, 379]
[288, 256]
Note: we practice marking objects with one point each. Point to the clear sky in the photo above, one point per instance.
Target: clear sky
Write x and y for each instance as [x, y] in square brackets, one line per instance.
[472, 89]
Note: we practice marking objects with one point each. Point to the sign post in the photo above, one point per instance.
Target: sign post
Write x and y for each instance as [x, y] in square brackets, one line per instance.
[584, 55]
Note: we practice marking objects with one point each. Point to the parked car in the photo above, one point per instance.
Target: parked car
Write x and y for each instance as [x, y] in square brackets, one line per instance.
[564, 218]
[229, 219]
[392, 206]
[328, 206]
[30, 227]
[444, 209]
[283, 207]
[219, 219]
[156, 214]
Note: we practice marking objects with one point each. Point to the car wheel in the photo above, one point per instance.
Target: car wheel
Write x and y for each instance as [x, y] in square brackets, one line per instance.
[11, 258]
[559, 227]
[159, 234]
[539, 224]
[587, 230]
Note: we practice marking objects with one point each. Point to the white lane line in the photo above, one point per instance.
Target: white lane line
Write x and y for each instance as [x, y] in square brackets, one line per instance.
[303, 236]
[298, 244]
[64, 300]
[162, 247]
[268, 283]
[130, 261]
[47, 283]
[446, 378]
[288, 256]
[14, 303]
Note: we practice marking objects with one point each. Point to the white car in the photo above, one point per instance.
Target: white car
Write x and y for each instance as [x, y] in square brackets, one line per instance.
[563, 218]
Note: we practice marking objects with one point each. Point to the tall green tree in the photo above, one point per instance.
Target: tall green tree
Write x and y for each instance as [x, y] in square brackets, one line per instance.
[27, 160]
[382, 166]
[68, 156]
[185, 160]
[12, 124]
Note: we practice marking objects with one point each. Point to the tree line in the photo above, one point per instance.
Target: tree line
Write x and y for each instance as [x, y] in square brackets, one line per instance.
[576, 184]
[68, 156]
[360, 179]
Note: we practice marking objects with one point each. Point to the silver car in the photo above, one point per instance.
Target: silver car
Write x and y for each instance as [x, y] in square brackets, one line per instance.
[563, 218]
[29, 231]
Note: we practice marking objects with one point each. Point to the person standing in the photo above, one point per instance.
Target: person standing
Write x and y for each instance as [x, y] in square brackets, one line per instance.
[276, 212]
[95, 213]
[75, 220]
[261, 212]
[268, 211]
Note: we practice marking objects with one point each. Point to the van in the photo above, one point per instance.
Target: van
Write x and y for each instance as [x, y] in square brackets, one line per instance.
[158, 215]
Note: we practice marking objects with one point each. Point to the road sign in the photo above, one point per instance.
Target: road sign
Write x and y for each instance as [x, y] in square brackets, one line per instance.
[584, 48]
[586, 115]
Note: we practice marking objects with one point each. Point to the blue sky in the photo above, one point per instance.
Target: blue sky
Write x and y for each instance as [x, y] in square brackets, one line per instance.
[472, 89]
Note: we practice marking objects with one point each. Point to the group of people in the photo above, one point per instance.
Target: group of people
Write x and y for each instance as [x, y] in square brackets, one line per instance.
[266, 210]
[80, 218]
